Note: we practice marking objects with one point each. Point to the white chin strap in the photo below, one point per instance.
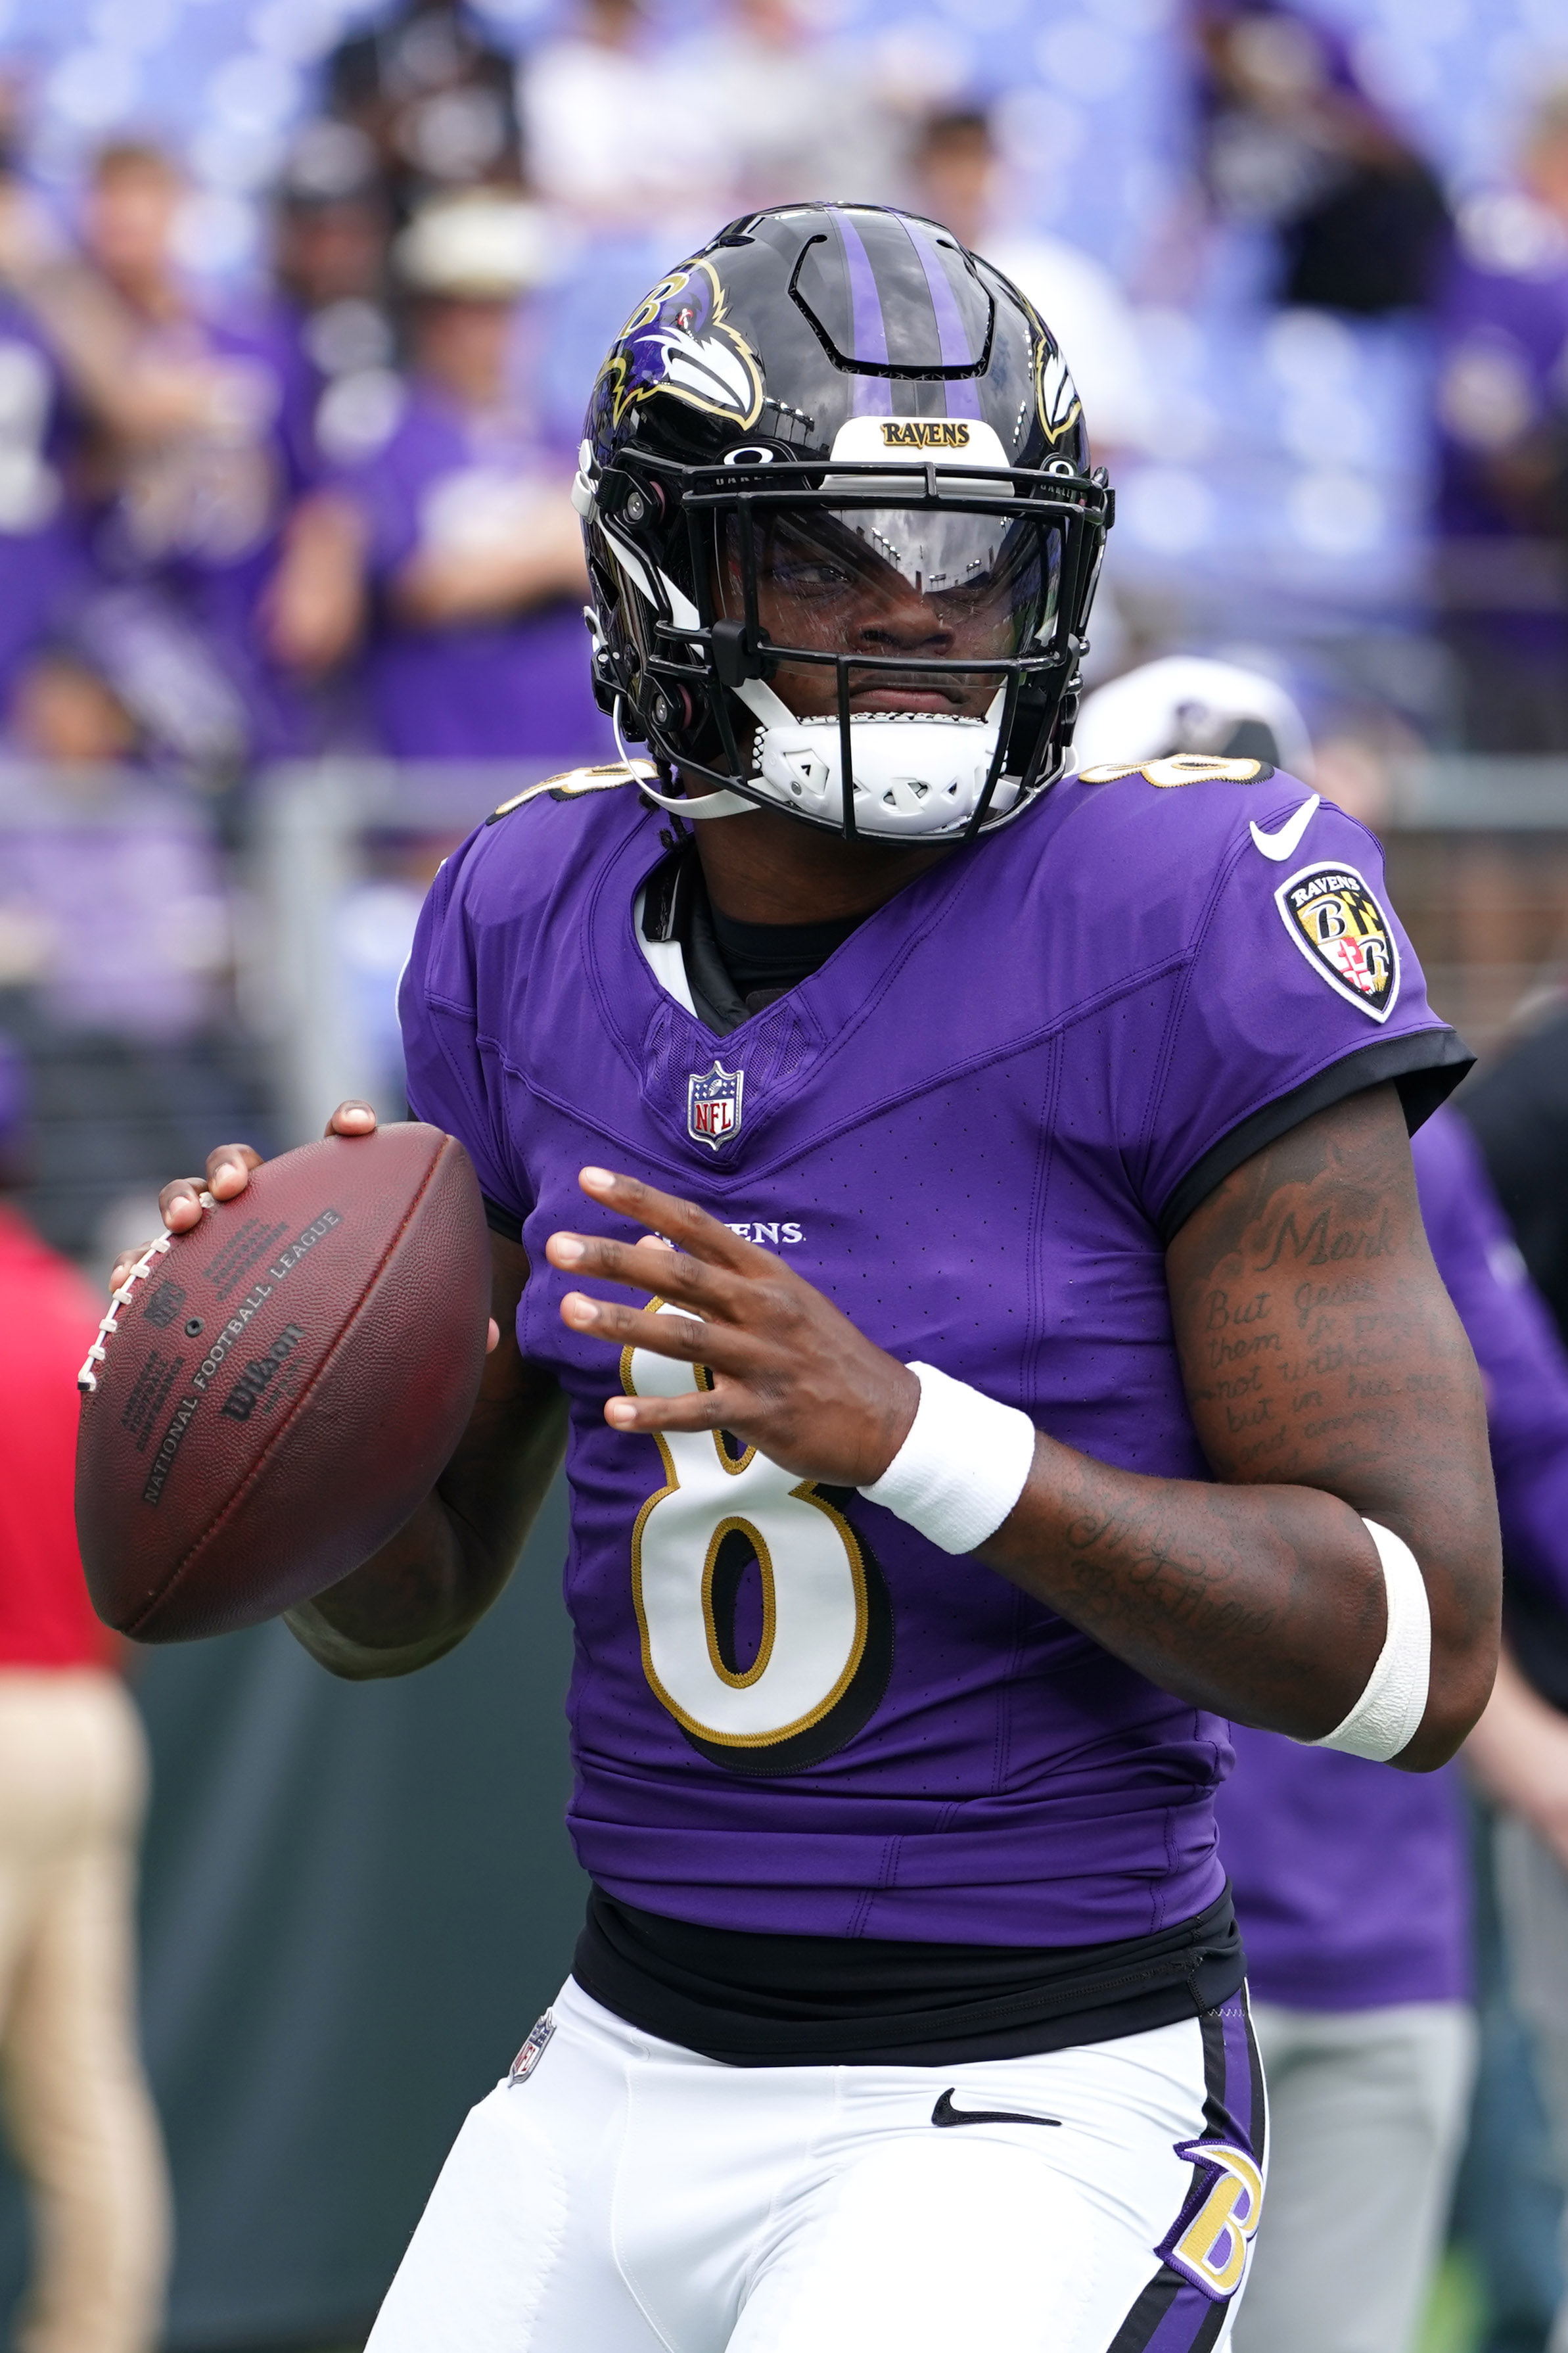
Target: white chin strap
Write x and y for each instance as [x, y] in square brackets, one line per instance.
[916, 772]
[705, 804]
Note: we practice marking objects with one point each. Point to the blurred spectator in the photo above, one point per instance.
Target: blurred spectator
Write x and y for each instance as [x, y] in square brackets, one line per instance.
[433, 95]
[87, 335]
[455, 540]
[1352, 1882]
[616, 139]
[73, 1773]
[67, 713]
[113, 908]
[180, 461]
[798, 116]
[128, 680]
[1291, 139]
[1519, 1109]
[197, 510]
[40, 550]
[959, 182]
[330, 243]
[1520, 1752]
[1503, 413]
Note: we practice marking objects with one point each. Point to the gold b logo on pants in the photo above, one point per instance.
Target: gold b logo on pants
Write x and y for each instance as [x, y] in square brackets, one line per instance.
[1209, 2246]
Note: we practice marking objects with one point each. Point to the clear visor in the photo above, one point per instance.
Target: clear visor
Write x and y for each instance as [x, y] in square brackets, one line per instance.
[932, 588]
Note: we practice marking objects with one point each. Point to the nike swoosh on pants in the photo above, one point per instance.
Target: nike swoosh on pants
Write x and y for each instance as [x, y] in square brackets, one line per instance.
[944, 2112]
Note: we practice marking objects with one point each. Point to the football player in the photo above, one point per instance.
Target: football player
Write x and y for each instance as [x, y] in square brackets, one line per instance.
[1352, 1885]
[957, 1218]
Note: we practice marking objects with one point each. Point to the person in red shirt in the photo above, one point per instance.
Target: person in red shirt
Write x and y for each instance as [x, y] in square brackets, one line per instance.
[73, 1779]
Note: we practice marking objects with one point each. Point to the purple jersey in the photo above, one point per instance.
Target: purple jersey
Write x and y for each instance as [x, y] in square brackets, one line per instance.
[1503, 346]
[1351, 1882]
[1517, 1345]
[973, 1128]
[41, 561]
[283, 329]
[200, 516]
[512, 688]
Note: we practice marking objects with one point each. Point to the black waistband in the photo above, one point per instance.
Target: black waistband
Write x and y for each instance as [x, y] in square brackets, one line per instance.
[813, 2001]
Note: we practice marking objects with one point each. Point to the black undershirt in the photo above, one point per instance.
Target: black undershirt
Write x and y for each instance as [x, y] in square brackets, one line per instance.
[821, 2001]
[735, 969]
[755, 2001]
[767, 960]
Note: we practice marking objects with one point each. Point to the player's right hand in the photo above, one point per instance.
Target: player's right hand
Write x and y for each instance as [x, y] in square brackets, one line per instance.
[182, 1200]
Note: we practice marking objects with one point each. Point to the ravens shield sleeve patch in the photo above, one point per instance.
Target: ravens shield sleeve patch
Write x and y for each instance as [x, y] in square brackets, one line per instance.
[1339, 927]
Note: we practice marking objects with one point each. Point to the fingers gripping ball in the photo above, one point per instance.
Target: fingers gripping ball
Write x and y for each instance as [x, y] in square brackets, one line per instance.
[274, 1392]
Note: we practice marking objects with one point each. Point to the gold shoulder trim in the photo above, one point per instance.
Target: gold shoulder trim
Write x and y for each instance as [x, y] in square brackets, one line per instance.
[573, 784]
[1182, 769]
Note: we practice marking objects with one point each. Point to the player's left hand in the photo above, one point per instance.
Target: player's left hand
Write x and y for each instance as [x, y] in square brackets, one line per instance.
[791, 1375]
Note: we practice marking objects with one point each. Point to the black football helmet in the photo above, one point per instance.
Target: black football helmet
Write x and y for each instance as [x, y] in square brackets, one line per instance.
[842, 531]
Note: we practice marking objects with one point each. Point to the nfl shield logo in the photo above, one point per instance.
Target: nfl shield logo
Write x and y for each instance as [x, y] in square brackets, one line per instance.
[532, 2050]
[713, 1104]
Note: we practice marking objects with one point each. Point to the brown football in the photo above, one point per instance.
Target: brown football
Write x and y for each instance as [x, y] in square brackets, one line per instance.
[273, 1393]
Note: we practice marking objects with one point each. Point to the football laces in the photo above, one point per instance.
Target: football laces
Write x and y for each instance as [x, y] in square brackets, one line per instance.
[88, 1378]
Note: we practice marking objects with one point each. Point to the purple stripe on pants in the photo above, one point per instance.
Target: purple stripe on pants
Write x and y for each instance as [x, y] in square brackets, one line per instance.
[1191, 2313]
[1238, 2071]
[1189, 2319]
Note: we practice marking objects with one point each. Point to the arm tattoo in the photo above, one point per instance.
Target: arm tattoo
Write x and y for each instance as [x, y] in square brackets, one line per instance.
[1328, 1380]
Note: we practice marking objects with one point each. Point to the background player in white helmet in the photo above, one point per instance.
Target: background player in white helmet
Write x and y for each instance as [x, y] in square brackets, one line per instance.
[1352, 1885]
[1188, 702]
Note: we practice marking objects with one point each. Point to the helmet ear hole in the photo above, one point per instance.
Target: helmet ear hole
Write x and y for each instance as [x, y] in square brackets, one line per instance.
[640, 502]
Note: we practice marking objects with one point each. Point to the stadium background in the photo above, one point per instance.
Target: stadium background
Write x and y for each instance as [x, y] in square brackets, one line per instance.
[356, 1900]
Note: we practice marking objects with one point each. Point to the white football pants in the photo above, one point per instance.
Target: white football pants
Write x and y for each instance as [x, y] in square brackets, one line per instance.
[631, 2196]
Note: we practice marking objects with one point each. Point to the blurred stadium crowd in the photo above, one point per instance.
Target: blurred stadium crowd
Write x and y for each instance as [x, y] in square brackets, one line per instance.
[300, 302]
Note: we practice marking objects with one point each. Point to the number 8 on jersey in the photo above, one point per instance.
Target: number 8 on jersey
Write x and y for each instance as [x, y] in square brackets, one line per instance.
[825, 1648]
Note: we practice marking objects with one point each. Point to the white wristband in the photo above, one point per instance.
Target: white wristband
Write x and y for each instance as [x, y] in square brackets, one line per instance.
[961, 1467]
[1388, 1713]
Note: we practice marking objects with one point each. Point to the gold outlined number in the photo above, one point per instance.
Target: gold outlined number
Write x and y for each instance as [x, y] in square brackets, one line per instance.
[818, 1668]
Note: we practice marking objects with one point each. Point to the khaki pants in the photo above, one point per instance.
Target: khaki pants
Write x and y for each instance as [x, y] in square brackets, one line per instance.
[1532, 1893]
[73, 1778]
[1366, 2120]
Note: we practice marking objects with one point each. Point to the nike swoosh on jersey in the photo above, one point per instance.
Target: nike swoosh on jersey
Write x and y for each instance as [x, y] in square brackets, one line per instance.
[944, 2112]
[1281, 844]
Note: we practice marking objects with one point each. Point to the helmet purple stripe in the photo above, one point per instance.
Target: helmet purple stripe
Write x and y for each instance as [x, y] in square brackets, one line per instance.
[963, 395]
[873, 394]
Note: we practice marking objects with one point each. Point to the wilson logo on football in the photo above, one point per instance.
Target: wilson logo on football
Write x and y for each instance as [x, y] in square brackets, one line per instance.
[254, 1382]
[1335, 920]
